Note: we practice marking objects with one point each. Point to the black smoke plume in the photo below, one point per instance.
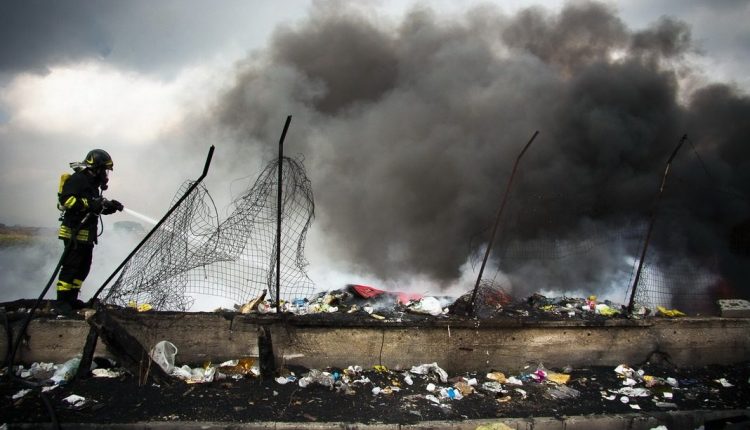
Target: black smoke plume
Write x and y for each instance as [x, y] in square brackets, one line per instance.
[410, 130]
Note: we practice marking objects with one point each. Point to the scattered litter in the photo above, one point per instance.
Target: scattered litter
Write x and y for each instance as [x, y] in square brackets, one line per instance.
[635, 406]
[724, 383]
[143, 307]
[425, 369]
[522, 392]
[633, 392]
[21, 393]
[558, 378]
[66, 371]
[106, 373]
[493, 387]
[407, 379]
[196, 375]
[670, 313]
[163, 354]
[514, 381]
[497, 376]
[316, 376]
[432, 398]
[75, 400]
[252, 304]
[240, 367]
[427, 305]
[559, 392]
[463, 387]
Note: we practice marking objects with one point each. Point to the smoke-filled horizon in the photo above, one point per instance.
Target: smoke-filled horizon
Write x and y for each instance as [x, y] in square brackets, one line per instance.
[409, 125]
[410, 130]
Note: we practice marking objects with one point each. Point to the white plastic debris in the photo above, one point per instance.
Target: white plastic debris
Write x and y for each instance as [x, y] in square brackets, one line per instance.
[407, 379]
[493, 387]
[20, 394]
[424, 369]
[673, 382]
[634, 406]
[724, 383]
[625, 399]
[106, 373]
[183, 372]
[629, 382]
[282, 380]
[163, 354]
[427, 305]
[514, 381]
[430, 387]
[632, 392]
[432, 398]
[66, 370]
[75, 400]
[624, 370]
[522, 392]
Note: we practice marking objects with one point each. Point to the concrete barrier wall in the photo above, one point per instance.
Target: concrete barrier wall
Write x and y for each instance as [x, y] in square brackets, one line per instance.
[457, 347]
[685, 342]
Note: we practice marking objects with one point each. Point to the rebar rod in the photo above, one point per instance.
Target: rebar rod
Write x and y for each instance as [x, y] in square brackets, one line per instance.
[652, 219]
[497, 222]
[279, 214]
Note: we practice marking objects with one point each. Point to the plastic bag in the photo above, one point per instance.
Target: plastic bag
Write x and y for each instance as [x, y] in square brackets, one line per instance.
[163, 354]
[66, 371]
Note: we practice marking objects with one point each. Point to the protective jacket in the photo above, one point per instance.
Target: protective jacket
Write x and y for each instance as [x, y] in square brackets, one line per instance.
[79, 196]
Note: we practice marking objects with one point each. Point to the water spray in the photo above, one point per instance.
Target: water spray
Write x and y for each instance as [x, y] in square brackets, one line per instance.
[141, 216]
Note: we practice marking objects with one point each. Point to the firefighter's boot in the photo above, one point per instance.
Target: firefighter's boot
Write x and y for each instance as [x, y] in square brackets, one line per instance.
[63, 304]
[75, 303]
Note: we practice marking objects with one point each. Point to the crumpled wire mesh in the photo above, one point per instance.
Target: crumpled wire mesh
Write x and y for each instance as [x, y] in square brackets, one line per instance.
[192, 253]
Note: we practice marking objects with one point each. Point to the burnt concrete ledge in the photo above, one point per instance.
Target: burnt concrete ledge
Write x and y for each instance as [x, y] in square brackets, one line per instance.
[457, 345]
[673, 420]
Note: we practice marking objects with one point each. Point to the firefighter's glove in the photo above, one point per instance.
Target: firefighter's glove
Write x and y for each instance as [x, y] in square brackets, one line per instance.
[96, 204]
[111, 206]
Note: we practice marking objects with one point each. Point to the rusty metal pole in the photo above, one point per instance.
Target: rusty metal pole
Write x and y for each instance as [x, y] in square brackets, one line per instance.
[652, 218]
[497, 222]
[278, 215]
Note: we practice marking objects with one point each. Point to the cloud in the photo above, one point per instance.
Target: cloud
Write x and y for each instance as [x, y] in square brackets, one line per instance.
[152, 37]
[93, 101]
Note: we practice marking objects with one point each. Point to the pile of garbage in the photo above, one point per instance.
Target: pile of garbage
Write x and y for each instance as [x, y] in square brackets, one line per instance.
[490, 302]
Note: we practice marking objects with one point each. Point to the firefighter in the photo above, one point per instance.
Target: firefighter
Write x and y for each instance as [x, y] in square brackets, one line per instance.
[82, 203]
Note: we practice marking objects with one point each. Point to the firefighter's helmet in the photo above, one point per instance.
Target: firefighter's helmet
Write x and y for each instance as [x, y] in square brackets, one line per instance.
[98, 159]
